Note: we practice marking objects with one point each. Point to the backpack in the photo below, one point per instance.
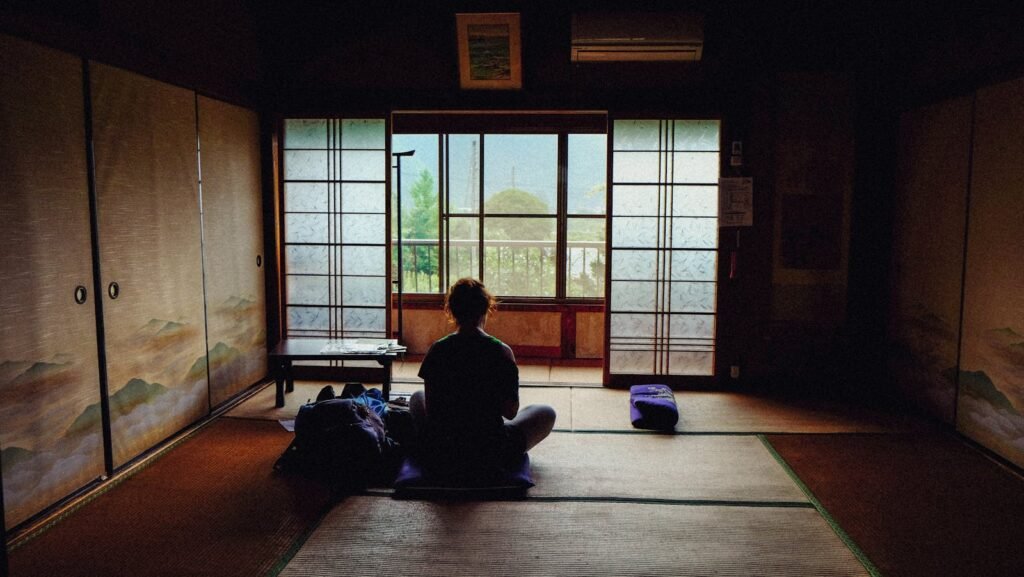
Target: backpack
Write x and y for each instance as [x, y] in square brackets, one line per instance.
[341, 441]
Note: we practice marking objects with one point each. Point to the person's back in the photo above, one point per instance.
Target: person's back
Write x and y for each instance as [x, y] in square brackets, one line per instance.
[471, 386]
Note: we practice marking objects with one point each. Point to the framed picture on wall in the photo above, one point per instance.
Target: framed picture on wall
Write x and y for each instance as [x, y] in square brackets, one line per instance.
[489, 51]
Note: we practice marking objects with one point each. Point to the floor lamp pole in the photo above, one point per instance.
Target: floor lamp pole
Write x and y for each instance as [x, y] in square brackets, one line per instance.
[401, 271]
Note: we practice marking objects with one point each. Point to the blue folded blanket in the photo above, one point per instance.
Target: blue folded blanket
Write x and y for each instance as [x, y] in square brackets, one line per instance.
[653, 407]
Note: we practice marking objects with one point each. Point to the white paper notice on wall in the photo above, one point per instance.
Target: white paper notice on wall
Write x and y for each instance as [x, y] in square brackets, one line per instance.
[735, 202]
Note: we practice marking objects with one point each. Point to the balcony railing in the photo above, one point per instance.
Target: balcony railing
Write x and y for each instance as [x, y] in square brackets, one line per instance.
[511, 267]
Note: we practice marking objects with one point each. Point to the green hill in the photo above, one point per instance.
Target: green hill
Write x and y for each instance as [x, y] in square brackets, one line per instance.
[11, 456]
[980, 385]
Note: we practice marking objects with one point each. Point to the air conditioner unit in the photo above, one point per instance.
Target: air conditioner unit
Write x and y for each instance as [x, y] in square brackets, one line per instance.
[636, 37]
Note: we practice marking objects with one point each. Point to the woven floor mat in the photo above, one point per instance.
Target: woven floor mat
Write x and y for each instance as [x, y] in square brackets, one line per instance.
[729, 412]
[380, 536]
[660, 467]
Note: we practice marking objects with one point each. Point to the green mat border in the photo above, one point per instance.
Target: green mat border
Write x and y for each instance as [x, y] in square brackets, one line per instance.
[843, 535]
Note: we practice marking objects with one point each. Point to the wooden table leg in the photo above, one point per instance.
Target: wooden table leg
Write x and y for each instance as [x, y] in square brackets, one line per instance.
[279, 378]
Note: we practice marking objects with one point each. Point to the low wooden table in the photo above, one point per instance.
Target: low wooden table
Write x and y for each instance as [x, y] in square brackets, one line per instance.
[289, 350]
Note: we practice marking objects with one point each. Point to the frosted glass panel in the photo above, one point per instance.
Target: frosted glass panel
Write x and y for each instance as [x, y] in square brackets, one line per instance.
[695, 167]
[631, 362]
[691, 326]
[304, 259]
[697, 363]
[363, 291]
[362, 133]
[632, 325]
[697, 135]
[305, 165]
[363, 197]
[362, 229]
[305, 133]
[692, 297]
[633, 200]
[305, 228]
[695, 201]
[363, 165]
[634, 265]
[363, 320]
[308, 290]
[694, 265]
[636, 134]
[634, 296]
[305, 196]
[639, 232]
[638, 167]
[694, 232]
[363, 260]
[308, 318]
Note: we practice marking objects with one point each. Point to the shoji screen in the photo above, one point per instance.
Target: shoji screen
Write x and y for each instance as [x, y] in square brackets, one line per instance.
[664, 239]
[334, 227]
[144, 138]
[232, 247]
[50, 427]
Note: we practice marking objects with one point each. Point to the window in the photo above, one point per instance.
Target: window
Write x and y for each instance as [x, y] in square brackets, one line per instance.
[523, 212]
[662, 307]
[335, 203]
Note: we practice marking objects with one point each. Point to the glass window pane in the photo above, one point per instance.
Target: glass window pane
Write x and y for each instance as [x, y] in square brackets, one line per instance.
[362, 320]
[520, 173]
[636, 134]
[632, 200]
[420, 262]
[305, 196]
[640, 326]
[363, 260]
[586, 173]
[694, 232]
[464, 173]
[695, 167]
[308, 318]
[695, 201]
[635, 231]
[634, 296]
[691, 326]
[363, 165]
[363, 197]
[696, 134]
[694, 363]
[631, 362]
[692, 297]
[634, 264]
[363, 291]
[305, 228]
[305, 259]
[585, 257]
[305, 133]
[519, 256]
[362, 229]
[308, 290]
[463, 248]
[693, 265]
[305, 165]
[362, 133]
[641, 167]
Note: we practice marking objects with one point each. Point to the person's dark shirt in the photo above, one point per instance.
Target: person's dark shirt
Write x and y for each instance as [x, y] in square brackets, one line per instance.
[469, 377]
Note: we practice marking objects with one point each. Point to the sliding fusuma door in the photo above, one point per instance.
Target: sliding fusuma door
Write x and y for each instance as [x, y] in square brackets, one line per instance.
[144, 138]
[661, 306]
[50, 426]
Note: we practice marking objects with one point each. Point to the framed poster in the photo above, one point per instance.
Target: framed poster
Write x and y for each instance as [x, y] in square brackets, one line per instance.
[489, 51]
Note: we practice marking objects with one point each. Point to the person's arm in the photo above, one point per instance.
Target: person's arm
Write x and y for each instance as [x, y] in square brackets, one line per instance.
[510, 406]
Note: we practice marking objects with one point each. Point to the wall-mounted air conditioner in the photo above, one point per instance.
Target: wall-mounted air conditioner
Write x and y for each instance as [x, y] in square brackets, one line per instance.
[636, 37]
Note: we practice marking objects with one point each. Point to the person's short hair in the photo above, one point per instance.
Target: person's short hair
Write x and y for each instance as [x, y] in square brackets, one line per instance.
[468, 302]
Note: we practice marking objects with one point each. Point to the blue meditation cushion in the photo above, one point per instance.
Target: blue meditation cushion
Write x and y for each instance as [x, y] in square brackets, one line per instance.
[653, 407]
[414, 481]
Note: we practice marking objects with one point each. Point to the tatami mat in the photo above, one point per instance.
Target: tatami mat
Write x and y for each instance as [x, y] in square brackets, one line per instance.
[729, 412]
[380, 536]
[660, 467]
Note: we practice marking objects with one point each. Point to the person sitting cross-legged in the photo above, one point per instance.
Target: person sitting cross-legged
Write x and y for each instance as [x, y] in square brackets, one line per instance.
[468, 414]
